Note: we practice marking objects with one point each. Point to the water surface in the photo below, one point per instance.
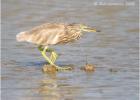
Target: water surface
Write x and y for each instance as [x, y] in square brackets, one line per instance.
[114, 52]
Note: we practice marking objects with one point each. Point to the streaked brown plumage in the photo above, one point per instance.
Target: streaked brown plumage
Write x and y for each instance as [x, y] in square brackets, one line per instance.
[48, 34]
[52, 34]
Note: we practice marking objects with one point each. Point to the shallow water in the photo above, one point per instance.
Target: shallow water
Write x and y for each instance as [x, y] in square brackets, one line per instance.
[114, 52]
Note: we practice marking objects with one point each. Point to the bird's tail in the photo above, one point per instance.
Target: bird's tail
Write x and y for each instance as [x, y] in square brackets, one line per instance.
[21, 36]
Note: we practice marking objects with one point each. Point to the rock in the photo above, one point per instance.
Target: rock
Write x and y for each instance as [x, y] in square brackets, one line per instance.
[113, 70]
[49, 69]
[88, 68]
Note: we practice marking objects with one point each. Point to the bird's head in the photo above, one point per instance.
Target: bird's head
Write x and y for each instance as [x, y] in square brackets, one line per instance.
[88, 29]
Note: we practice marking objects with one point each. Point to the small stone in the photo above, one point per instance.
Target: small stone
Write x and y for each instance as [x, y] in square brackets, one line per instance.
[113, 70]
[49, 68]
[88, 68]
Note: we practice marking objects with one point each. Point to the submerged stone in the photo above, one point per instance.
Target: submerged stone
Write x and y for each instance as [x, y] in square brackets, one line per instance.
[49, 68]
[88, 68]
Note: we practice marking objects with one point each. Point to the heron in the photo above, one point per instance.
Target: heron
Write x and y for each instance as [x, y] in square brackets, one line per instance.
[49, 34]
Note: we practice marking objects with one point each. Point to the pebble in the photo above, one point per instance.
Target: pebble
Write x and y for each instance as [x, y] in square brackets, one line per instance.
[88, 68]
[49, 68]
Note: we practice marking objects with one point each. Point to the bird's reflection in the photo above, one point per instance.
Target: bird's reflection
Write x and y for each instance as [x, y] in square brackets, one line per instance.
[48, 89]
[56, 86]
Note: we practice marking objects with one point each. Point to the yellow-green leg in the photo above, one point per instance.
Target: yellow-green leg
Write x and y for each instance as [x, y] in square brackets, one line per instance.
[52, 58]
[43, 52]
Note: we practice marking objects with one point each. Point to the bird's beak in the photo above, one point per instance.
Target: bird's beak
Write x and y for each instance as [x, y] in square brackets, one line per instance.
[91, 30]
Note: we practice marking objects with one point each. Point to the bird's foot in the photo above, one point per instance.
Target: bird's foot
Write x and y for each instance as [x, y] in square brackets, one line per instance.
[58, 68]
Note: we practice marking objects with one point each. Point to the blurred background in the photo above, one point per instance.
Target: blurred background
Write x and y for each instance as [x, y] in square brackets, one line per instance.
[114, 51]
